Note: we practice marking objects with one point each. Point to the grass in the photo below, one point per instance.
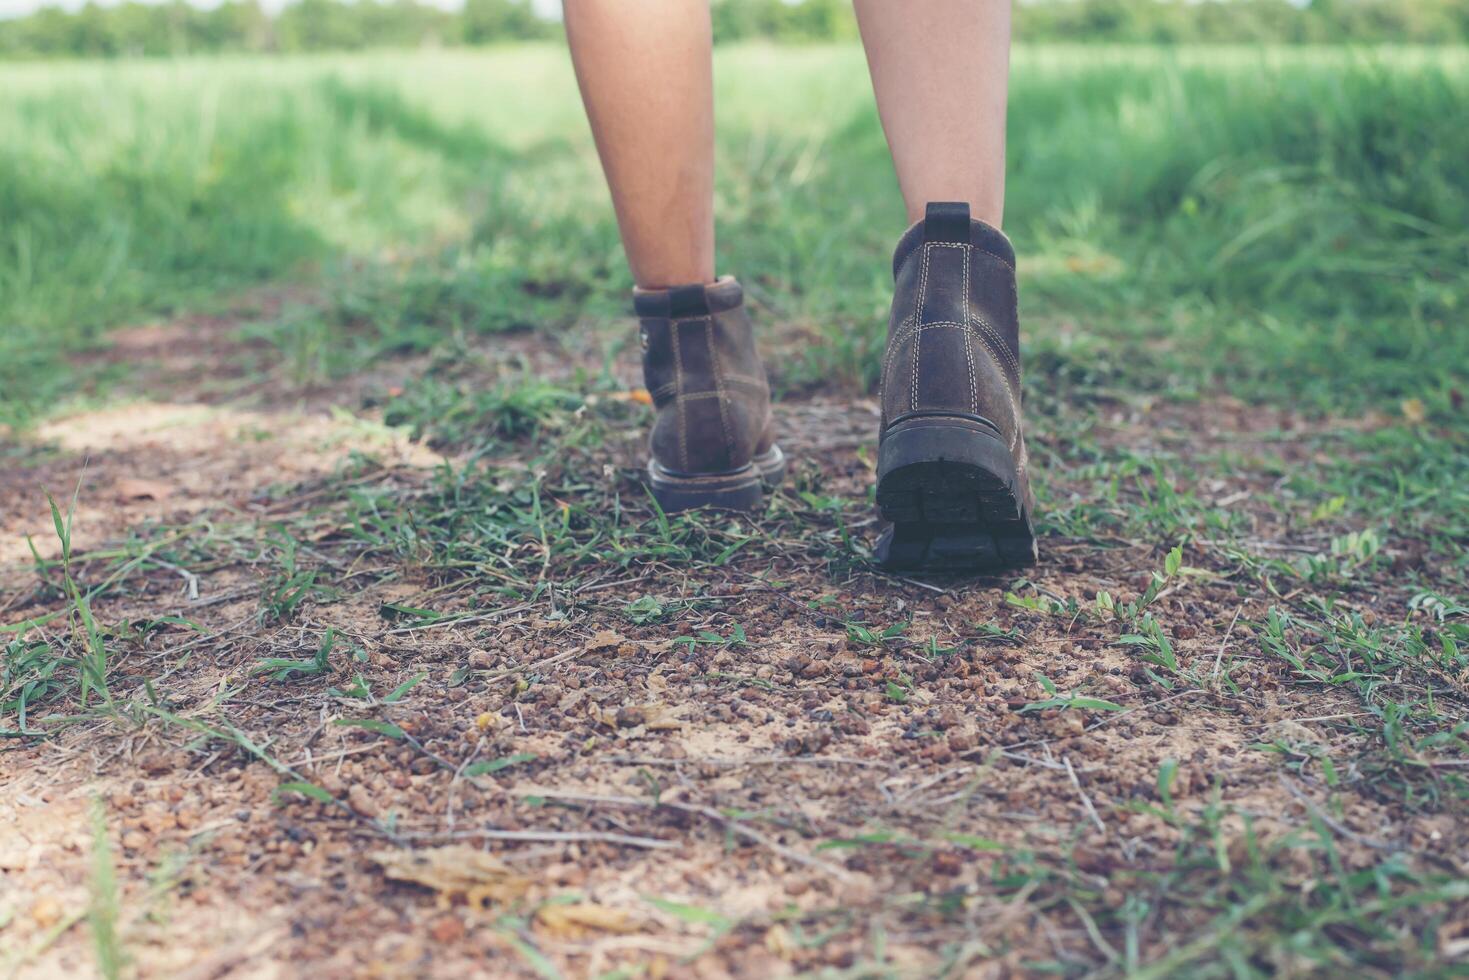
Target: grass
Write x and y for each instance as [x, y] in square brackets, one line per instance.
[1203, 233]
[103, 913]
[1236, 245]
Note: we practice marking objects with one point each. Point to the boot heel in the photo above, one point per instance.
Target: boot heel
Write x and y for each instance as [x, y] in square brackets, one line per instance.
[741, 489]
[710, 396]
[948, 485]
[772, 467]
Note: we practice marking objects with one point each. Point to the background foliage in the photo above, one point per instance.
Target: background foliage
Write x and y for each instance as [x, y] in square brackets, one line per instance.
[1316, 210]
[133, 28]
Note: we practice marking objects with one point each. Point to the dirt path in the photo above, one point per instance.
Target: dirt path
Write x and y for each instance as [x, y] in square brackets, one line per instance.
[754, 764]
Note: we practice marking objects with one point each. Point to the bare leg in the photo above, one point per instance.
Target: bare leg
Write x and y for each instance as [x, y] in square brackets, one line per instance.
[647, 81]
[940, 68]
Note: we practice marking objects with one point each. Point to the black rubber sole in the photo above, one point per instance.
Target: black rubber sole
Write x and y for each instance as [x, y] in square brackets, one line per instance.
[741, 489]
[949, 487]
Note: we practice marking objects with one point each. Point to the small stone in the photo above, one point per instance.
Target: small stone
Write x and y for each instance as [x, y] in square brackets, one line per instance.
[360, 800]
[808, 743]
[157, 821]
[46, 911]
[937, 752]
[947, 863]
[447, 929]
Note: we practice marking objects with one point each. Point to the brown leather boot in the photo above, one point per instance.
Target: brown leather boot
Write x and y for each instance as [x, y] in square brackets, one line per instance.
[951, 457]
[712, 443]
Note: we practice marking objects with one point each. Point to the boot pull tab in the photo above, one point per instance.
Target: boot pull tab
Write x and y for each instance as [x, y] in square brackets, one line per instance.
[946, 221]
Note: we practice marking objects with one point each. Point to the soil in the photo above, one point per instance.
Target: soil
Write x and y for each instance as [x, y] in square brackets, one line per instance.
[642, 778]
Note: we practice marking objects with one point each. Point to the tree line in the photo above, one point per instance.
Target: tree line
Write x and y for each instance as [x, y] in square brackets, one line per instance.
[132, 28]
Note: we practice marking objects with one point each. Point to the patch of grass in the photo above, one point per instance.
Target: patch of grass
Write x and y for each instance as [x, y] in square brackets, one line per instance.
[285, 669]
[1415, 747]
[1265, 242]
[28, 681]
[736, 638]
[288, 584]
[106, 902]
[542, 520]
[447, 415]
[868, 636]
[36, 671]
[1068, 700]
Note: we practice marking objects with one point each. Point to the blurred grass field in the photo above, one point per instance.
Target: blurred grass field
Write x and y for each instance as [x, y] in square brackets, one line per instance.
[1254, 217]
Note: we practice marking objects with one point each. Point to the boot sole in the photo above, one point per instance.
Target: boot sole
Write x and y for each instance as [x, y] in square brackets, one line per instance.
[772, 466]
[741, 489]
[949, 487]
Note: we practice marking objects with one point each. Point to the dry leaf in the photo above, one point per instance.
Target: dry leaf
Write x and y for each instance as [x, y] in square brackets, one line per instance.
[634, 719]
[573, 921]
[455, 872]
[130, 488]
[660, 718]
[622, 646]
[604, 639]
[602, 716]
